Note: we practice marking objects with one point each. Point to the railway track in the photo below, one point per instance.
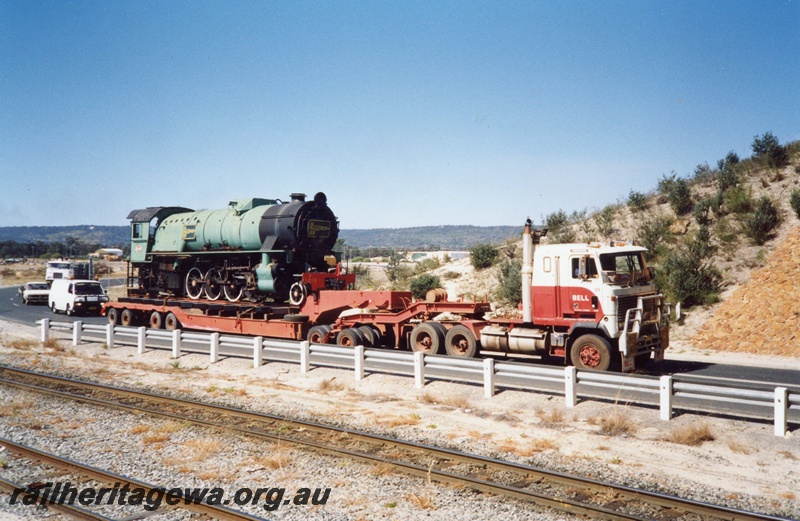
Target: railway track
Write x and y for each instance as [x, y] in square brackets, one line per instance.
[109, 478]
[563, 492]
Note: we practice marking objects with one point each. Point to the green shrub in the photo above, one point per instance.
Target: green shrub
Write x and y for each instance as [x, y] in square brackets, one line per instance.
[510, 278]
[702, 173]
[637, 201]
[421, 285]
[688, 273]
[604, 220]
[483, 255]
[701, 212]
[556, 220]
[794, 201]
[738, 200]
[654, 234]
[760, 225]
[762, 145]
[680, 197]
[425, 265]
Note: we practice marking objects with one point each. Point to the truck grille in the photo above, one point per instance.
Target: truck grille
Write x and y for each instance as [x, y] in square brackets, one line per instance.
[649, 312]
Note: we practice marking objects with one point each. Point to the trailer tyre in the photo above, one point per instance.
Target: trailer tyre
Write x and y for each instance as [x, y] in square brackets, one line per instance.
[591, 352]
[126, 318]
[171, 322]
[317, 334]
[295, 318]
[371, 334]
[113, 316]
[349, 337]
[460, 342]
[156, 320]
[427, 337]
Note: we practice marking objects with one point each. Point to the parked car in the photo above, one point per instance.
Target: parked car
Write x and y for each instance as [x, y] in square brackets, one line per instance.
[34, 292]
[76, 296]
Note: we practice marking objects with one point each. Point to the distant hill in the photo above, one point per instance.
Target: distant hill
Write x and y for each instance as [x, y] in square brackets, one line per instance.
[425, 237]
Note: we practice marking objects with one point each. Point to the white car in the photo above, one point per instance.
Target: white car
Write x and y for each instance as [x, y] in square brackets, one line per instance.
[34, 292]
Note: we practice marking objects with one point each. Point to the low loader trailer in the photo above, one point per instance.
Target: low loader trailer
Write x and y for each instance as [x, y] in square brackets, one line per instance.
[592, 305]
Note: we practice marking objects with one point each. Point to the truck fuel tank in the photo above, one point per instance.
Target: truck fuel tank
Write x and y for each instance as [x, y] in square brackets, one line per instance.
[515, 340]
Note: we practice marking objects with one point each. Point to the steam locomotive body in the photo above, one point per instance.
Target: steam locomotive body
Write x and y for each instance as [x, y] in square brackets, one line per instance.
[252, 250]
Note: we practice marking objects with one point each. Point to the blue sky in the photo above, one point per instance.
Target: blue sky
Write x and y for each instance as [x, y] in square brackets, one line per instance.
[407, 113]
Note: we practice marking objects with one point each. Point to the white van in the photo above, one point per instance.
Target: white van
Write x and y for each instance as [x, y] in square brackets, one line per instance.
[76, 296]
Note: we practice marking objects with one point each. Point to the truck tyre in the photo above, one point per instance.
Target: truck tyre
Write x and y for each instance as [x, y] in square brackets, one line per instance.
[428, 338]
[317, 334]
[126, 318]
[113, 316]
[349, 337]
[460, 342]
[591, 352]
[53, 308]
[371, 334]
[171, 322]
[156, 320]
[68, 310]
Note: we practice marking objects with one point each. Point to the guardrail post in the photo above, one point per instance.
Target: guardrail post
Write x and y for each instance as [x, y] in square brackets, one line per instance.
[419, 369]
[359, 363]
[665, 394]
[781, 406]
[45, 334]
[176, 343]
[77, 328]
[305, 352]
[141, 335]
[258, 358]
[109, 335]
[488, 377]
[213, 350]
[571, 385]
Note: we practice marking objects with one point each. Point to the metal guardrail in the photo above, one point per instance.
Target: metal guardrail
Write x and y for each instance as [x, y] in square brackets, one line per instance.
[492, 374]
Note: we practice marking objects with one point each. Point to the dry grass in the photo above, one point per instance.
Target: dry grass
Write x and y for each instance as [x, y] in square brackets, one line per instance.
[399, 421]
[140, 429]
[551, 416]
[692, 435]
[155, 438]
[22, 344]
[54, 344]
[528, 448]
[788, 455]
[617, 423]
[739, 447]
[17, 406]
[203, 449]
[791, 496]
[169, 427]
[458, 401]
[381, 469]
[330, 385]
[279, 457]
[424, 501]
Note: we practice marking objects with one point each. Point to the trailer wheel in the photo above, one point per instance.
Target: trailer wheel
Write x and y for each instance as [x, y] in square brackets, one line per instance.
[460, 342]
[427, 337]
[317, 334]
[371, 334]
[156, 320]
[350, 337]
[591, 352]
[171, 322]
[295, 318]
[113, 316]
[126, 318]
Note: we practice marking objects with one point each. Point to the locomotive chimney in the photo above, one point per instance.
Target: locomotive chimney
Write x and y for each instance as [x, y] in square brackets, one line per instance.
[298, 198]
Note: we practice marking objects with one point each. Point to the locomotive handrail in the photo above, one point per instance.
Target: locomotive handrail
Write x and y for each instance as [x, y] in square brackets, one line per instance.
[639, 389]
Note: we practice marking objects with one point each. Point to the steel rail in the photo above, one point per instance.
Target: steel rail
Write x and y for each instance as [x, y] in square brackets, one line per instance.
[654, 498]
[215, 511]
[69, 510]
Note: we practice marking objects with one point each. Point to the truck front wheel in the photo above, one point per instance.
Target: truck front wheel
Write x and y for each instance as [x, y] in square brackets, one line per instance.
[591, 352]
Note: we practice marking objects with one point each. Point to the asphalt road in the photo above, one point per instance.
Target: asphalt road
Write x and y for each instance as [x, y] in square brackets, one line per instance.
[12, 309]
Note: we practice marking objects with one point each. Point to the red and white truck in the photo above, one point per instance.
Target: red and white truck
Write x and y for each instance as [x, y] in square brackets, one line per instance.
[593, 305]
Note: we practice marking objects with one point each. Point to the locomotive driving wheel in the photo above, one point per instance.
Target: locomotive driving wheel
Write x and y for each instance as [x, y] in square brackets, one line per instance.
[212, 283]
[194, 284]
[233, 291]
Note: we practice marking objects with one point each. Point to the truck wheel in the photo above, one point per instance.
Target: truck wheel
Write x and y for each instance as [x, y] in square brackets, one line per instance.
[371, 334]
[171, 322]
[317, 334]
[427, 337]
[126, 318]
[156, 320]
[68, 310]
[460, 342]
[53, 308]
[591, 352]
[349, 337]
[113, 316]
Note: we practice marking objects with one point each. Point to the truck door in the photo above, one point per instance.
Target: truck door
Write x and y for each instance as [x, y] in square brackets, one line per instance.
[544, 292]
[579, 290]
